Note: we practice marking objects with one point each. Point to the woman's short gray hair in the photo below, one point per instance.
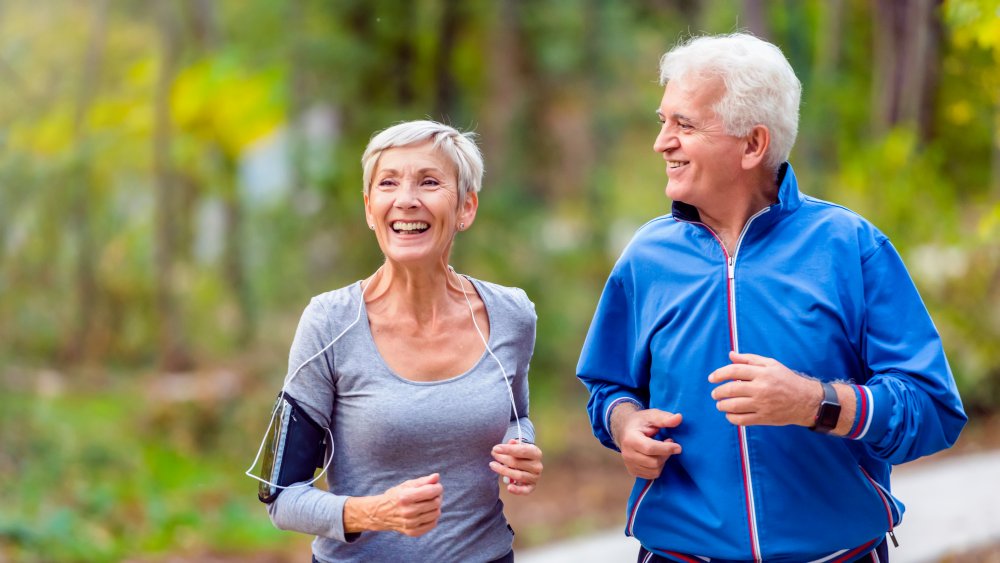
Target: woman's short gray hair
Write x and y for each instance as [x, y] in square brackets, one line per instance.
[761, 87]
[459, 147]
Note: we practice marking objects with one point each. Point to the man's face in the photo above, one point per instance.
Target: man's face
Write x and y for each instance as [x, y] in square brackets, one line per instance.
[703, 162]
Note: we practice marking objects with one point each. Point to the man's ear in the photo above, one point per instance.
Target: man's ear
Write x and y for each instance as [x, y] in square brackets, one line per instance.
[757, 141]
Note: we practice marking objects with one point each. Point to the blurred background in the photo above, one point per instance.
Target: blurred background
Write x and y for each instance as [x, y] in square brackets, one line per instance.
[179, 177]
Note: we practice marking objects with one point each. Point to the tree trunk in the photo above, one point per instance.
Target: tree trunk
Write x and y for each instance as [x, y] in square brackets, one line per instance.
[297, 142]
[907, 64]
[505, 88]
[85, 278]
[444, 99]
[827, 58]
[755, 16]
[234, 258]
[995, 154]
[171, 350]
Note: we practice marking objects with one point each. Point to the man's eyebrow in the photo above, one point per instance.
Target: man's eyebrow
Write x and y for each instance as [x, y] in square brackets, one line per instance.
[675, 116]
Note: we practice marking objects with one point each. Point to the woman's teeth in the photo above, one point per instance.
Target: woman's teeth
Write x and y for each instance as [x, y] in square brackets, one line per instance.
[410, 226]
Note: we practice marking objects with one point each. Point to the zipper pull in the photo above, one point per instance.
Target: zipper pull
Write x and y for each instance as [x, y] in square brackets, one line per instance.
[732, 267]
[892, 536]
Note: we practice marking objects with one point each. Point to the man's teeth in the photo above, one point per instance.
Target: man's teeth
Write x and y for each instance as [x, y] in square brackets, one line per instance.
[402, 226]
[675, 163]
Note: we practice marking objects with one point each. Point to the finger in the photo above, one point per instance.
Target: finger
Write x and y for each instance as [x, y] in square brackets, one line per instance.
[749, 419]
[520, 489]
[530, 466]
[425, 480]
[738, 405]
[421, 526]
[656, 448]
[646, 463]
[649, 474]
[750, 359]
[517, 461]
[520, 476]
[421, 512]
[733, 372]
[738, 388]
[519, 450]
[660, 419]
[421, 493]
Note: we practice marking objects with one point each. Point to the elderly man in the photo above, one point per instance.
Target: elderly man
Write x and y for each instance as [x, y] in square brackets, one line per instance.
[773, 338]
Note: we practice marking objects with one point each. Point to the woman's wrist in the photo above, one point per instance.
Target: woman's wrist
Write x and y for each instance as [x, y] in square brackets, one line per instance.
[358, 515]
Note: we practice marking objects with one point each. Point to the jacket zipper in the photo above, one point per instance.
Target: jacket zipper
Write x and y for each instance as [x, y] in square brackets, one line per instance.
[885, 502]
[735, 345]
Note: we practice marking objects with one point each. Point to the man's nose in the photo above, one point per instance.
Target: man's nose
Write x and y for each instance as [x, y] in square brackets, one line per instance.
[665, 140]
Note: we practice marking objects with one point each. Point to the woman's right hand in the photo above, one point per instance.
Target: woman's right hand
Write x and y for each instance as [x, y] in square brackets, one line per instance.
[411, 508]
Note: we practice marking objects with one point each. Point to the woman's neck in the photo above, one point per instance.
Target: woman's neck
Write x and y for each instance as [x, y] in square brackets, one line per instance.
[423, 294]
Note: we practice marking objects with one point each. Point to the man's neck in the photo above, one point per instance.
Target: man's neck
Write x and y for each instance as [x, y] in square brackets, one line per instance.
[729, 217]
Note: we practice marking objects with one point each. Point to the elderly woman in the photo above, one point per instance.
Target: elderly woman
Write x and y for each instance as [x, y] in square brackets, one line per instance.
[409, 387]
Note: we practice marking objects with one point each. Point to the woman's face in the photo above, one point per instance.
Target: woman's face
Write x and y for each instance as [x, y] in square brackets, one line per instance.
[413, 204]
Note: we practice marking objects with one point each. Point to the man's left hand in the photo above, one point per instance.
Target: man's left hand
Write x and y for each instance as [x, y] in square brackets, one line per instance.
[757, 390]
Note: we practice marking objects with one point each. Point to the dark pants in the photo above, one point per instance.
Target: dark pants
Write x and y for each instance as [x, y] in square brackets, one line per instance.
[509, 558]
[881, 555]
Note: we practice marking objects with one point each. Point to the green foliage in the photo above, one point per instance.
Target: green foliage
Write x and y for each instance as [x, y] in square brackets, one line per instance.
[92, 486]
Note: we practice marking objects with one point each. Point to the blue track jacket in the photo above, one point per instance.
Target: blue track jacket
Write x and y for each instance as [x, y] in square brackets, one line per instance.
[816, 287]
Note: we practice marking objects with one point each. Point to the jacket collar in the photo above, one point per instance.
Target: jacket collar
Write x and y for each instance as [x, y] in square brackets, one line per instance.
[789, 199]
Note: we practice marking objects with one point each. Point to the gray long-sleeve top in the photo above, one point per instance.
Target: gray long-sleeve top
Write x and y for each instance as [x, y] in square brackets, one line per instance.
[387, 429]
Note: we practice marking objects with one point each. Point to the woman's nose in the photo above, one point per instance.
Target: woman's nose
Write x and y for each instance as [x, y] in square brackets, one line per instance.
[408, 195]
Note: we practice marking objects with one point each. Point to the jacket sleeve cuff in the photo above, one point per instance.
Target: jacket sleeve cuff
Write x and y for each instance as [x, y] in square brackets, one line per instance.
[610, 404]
[871, 414]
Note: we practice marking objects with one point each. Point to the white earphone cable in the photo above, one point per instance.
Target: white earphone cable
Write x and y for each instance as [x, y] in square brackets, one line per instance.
[280, 403]
[510, 388]
[329, 432]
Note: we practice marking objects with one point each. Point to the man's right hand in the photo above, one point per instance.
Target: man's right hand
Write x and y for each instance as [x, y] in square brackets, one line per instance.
[633, 430]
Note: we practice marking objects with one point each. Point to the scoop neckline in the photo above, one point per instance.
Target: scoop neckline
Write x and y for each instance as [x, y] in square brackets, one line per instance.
[370, 339]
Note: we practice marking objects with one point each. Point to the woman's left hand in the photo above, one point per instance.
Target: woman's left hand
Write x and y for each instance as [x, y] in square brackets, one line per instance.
[520, 463]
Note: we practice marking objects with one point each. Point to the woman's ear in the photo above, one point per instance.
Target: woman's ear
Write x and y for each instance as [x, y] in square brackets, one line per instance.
[467, 213]
[757, 142]
[368, 214]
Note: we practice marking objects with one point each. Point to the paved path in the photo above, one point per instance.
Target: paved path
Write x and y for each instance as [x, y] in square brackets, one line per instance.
[952, 505]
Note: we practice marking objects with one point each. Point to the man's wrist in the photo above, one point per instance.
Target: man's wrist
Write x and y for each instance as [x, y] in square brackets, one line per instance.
[827, 416]
[617, 417]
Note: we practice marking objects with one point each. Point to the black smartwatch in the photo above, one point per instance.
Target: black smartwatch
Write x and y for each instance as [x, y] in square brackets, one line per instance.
[829, 410]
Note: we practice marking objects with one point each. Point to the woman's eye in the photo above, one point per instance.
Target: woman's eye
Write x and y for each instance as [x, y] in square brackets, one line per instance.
[431, 182]
[386, 184]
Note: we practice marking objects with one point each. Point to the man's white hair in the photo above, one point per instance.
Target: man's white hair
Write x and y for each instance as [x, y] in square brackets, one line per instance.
[457, 146]
[761, 87]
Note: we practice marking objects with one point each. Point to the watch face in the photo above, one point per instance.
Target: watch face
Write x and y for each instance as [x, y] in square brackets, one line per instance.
[829, 413]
